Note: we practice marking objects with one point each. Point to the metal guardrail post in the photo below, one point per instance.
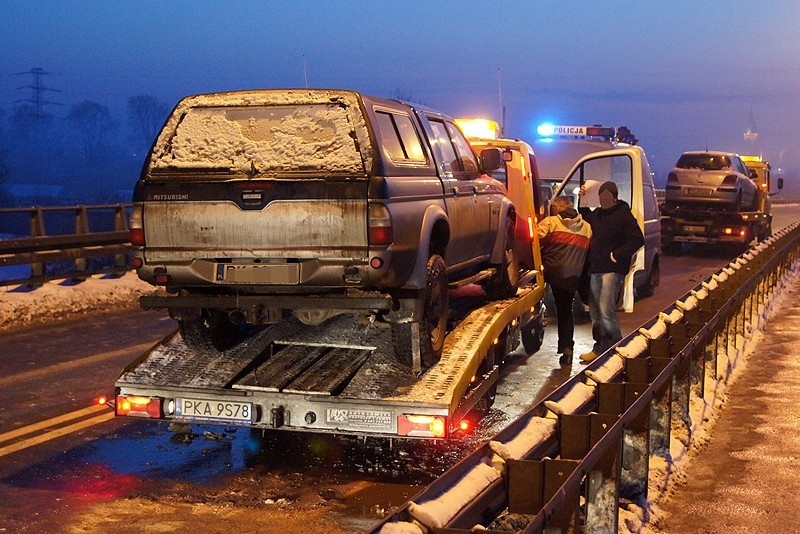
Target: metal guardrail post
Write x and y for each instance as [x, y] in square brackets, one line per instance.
[37, 230]
[660, 406]
[81, 227]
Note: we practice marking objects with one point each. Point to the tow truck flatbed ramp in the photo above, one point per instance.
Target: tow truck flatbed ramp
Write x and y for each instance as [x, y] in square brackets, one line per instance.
[322, 375]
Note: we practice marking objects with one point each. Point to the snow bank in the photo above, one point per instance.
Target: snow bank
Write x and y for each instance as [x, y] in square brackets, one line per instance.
[20, 306]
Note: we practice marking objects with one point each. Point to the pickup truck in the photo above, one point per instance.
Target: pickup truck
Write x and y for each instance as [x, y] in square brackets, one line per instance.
[257, 204]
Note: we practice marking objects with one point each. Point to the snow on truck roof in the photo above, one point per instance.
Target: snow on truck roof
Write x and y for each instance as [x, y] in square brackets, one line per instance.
[266, 131]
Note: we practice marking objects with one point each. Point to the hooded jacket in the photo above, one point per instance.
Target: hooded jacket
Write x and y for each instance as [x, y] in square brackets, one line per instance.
[614, 231]
[565, 241]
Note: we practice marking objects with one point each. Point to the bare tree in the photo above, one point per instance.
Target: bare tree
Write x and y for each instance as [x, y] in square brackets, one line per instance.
[93, 122]
[146, 115]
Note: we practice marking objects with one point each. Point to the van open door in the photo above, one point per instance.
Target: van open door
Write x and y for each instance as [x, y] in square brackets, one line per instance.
[623, 166]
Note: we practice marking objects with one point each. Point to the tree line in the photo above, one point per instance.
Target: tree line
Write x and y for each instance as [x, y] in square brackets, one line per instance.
[85, 156]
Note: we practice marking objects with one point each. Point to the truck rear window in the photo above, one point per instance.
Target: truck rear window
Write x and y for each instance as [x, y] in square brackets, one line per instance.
[706, 162]
[263, 139]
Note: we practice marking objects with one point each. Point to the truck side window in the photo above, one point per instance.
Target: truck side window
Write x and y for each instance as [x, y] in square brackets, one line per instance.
[398, 138]
[441, 142]
[467, 156]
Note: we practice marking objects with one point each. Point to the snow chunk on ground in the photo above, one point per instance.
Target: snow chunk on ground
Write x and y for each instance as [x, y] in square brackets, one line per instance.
[401, 527]
[63, 298]
[537, 430]
[579, 395]
[439, 511]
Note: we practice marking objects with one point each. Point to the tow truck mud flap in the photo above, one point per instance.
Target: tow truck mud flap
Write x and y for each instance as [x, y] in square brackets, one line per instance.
[305, 370]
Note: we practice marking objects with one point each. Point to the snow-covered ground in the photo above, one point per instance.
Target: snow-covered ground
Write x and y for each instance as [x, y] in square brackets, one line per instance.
[21, 306]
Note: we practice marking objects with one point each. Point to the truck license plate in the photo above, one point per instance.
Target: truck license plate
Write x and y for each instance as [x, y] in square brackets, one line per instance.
[285, 273]
[213, 409]
[690, 228]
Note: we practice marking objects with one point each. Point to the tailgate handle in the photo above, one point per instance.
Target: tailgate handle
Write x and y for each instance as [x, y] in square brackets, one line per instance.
[252, 197]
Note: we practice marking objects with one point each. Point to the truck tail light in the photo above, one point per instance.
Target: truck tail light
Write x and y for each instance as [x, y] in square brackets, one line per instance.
[379, 225]
[422, 426]
[672, 178]
[136, 227]
[136, 406]
[731, 179]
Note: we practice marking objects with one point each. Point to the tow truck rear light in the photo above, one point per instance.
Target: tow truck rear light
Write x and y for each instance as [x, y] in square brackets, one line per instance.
[530, 226]
[731, 179]
[422, 426]
[379, 225]
[136, 406]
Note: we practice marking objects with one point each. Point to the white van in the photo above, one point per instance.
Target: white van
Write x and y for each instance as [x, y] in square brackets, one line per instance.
[623, 163]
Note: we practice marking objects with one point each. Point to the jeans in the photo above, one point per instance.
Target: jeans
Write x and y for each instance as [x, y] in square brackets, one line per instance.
[603, 309]
[563, 298]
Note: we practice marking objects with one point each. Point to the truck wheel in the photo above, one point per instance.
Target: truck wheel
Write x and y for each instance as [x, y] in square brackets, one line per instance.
[433, 326]
[504, 283]
[493, 358]
[211, 332]
[533, 335]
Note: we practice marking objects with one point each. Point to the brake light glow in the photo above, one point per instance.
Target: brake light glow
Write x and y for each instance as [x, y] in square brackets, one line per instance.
[379, 225]
[464, 426]
[422, 426]
[728, 231]
[136, 406]
[137, 237]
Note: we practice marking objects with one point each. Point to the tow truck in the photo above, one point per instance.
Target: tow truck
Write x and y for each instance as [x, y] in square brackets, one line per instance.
[341, 377]
[705, 224]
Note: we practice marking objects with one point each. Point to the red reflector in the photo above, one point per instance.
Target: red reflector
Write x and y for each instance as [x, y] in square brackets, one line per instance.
[376, 263]
[380, 235]
[464, 425]
[139, 406]
[136, 263]
[137, 237]
[162, 279]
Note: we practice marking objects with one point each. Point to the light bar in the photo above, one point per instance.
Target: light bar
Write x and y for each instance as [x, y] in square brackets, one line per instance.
[756, 159]
[550, 130]
[479, 128]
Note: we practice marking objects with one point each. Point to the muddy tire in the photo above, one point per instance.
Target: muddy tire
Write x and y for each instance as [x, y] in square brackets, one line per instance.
[433, 326]
[504, 283]
[213, 331]
[493, 358]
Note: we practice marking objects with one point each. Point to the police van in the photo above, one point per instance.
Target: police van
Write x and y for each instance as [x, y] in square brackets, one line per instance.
[569, 157]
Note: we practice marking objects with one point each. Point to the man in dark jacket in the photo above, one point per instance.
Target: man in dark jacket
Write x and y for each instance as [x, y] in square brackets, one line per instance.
[616, 237]
[564, 237]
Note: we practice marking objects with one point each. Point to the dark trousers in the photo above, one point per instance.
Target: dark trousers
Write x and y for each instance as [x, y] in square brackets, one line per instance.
[566, 323]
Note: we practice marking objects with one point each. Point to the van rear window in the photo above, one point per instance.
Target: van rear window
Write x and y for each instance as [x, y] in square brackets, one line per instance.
[316, 138]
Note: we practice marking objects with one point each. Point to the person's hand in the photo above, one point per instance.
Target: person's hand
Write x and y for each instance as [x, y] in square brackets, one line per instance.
[582, 190]
[611, 254]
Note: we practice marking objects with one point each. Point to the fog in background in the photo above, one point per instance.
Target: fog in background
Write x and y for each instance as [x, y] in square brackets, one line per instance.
[681, 75]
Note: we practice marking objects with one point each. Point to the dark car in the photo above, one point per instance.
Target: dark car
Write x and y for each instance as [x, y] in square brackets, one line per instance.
[317, 202]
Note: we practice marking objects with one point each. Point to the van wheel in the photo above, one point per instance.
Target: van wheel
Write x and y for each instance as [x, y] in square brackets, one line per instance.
[652, 281]
[213, 331]
[504, 283]
[433, 326]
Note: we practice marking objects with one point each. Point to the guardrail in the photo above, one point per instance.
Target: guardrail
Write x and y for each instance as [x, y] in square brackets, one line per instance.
[39, 249]
[566, 463]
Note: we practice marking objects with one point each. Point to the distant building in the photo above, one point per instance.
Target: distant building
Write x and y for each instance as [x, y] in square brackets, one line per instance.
[751, 134]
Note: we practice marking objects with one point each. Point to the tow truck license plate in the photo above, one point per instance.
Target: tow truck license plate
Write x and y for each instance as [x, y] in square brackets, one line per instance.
[690, 228]
[213, 409]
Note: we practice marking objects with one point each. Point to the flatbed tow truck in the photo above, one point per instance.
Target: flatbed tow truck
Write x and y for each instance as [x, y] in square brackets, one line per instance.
[341, 377]
[707, 224]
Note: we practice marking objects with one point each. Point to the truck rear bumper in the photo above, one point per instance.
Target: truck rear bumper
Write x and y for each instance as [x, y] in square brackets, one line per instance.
[361, 301]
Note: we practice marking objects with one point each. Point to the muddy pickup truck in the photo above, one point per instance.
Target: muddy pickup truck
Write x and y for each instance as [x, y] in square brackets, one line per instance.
[254, 205]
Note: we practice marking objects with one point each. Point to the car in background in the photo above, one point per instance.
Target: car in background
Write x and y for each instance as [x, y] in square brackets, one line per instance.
[711, 178]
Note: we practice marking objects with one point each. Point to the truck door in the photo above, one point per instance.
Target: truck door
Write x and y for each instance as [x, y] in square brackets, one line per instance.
[623, 167]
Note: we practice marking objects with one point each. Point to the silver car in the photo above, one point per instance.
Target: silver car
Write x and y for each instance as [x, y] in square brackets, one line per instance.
[712, 178]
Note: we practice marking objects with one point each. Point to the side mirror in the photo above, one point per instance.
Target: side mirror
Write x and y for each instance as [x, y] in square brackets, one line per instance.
[491, 159]
[780, 184]
[753, 175]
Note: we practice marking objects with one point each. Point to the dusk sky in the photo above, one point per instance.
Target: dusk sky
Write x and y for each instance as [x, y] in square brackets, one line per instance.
[683, 75]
